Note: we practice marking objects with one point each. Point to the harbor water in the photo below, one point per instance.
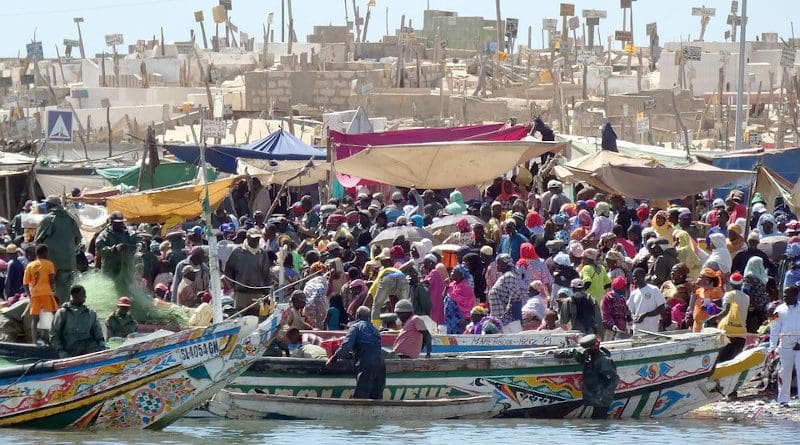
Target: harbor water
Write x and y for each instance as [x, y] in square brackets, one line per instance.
[496, 431]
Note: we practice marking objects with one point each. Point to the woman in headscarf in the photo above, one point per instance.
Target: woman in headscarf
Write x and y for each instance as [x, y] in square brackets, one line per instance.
[766, 226]
[358, 288]
[472, 261]
[534, 223]
[677, 292]
[602, 224]
[419, 249]
[436, 286]
[535, 305]
[703, 302]
[720, 254]
[463, 234]
[563, 274]
[661, 225]
[560, 220]
[460, 297]
[754, 285]
[456, 206]
[418, 220]
[735, 241]
[530, 267]
[316, 300]
[584, 220]
[686, 253]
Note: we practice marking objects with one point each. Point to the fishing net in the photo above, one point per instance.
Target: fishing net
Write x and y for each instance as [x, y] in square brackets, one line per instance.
[103, 291]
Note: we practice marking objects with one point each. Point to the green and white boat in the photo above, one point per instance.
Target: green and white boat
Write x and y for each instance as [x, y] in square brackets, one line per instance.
[659, 377]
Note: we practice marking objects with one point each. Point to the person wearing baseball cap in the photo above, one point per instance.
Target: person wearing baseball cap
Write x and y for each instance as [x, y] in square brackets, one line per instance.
[733, 318]
[121, 323]
[248, 271]
[413, 335]
[581, 311]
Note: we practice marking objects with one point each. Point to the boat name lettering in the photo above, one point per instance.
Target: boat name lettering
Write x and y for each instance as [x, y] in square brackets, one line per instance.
[199, 352]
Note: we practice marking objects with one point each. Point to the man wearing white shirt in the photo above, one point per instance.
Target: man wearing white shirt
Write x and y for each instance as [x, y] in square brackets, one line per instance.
[784, 335]
[646, 303]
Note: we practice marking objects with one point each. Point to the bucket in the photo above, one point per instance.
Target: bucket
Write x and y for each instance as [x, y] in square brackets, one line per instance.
[45, 321]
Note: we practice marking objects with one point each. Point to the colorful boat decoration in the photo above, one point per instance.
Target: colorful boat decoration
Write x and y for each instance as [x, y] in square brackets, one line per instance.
[658, 378]
[456, 344]
[241, 406]
[147, 384]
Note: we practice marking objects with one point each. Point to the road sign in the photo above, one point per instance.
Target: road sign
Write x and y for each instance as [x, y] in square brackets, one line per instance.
[605, 72]
[27, 79]
[35, 51]
[642, 124]
[623, 36]
[511, 27]
[732, 18]
[692, 53]
[184, 47]
[734, 6]
[227, 4]
[567, 9]
[586, 57]
[79, 93]
[754, 139]
[214, 129]
[114, 39]
[709, 12]
[769, 37]
[625, 4]
[652, 28]
[592, 21]
[549, 24]
[594, 14]
[649, 105]
[574, 23]
[403, 38]
[787, 57]
[72, 43]
[59, 126]
[198, 16]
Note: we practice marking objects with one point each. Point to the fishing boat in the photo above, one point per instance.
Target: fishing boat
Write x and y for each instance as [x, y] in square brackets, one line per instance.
[660, 376]
[148, 383]
[241, 406]
[455, 344]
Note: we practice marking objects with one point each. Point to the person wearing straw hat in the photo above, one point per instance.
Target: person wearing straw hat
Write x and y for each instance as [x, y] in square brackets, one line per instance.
[121, 323]
[733, 318]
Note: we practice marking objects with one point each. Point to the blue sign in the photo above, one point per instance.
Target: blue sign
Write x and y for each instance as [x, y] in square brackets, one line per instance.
[59, 126]
[35, 51]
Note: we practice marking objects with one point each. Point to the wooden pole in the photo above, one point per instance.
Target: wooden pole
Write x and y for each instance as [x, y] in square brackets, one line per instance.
[203, 31]
[80, 40]
[60, 66]
[366, 24]
[108, 123]
[163, 50]
[530, 34]
[291, 25]
[283, 21]
[781, 117]
[401, 50]
[103, 70]
[496, 61]
[355, 19]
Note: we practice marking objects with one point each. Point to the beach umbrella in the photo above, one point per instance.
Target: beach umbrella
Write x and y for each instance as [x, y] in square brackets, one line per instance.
[412, 234]
[774, 247]
[445, 226]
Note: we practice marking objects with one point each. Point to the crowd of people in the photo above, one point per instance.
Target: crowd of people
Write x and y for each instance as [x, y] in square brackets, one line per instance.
[513, 259]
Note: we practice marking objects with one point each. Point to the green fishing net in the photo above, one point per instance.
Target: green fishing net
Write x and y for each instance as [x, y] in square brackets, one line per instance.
[102, 293]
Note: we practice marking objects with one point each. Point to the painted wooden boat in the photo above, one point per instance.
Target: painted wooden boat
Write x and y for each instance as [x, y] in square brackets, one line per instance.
[145, 384]
[237, 405]
[658, 378]
[456, 344]
[729, 376]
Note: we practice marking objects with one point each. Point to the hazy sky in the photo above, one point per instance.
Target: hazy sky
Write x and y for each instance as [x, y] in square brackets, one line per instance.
[141, 19]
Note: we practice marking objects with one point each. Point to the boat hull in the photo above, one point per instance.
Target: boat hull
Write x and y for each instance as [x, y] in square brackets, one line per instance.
[144, 385]
[236, 405]
[656, 380]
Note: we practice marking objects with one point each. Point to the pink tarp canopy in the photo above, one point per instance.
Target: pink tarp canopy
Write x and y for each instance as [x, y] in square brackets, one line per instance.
[347, 145]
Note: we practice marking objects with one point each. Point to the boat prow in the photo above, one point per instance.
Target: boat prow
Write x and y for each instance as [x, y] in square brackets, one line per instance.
[242, 406]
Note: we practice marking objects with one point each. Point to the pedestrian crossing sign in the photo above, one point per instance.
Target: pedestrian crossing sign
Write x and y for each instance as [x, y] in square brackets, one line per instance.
[59, 126]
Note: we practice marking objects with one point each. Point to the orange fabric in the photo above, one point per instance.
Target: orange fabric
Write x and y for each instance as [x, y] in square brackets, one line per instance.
[699, 313]
[43, 303]
[37, 276]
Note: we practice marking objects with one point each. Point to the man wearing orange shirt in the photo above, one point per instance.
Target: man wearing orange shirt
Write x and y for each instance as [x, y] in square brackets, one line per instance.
[39, 278]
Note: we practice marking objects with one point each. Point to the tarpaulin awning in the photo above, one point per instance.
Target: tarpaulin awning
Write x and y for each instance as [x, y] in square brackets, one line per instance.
[443, 165]
[785, 163]
[347, 145]
[278, 146]
[60, 181]
[772, 185]
[167, 174]
[158, 206]
[318, 172]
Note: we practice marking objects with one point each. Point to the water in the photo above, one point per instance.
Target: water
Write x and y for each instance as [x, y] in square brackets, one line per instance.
[497, 431]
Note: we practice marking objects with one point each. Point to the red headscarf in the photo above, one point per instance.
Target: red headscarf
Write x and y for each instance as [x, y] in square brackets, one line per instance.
[526, 252]
[462, 225]
[642, 212]
[534, 219]
[584, 218]
[397, 252]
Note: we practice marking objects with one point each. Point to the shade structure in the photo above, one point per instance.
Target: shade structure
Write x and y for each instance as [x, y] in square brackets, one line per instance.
[443, 165]
[412, 234]
[772, 185]
[180, 203]
[347, 145]
[443, 227]
[278, 146]
[297, 176]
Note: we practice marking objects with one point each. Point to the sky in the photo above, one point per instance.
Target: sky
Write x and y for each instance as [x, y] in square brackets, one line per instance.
[141, 19]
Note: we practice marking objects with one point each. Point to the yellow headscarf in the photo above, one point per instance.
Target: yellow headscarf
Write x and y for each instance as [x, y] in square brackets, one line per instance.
[686, 253]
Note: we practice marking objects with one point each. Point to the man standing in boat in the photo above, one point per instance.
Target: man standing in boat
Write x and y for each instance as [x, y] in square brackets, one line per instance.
[599, 376]
[60, 233]
[364, 341]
